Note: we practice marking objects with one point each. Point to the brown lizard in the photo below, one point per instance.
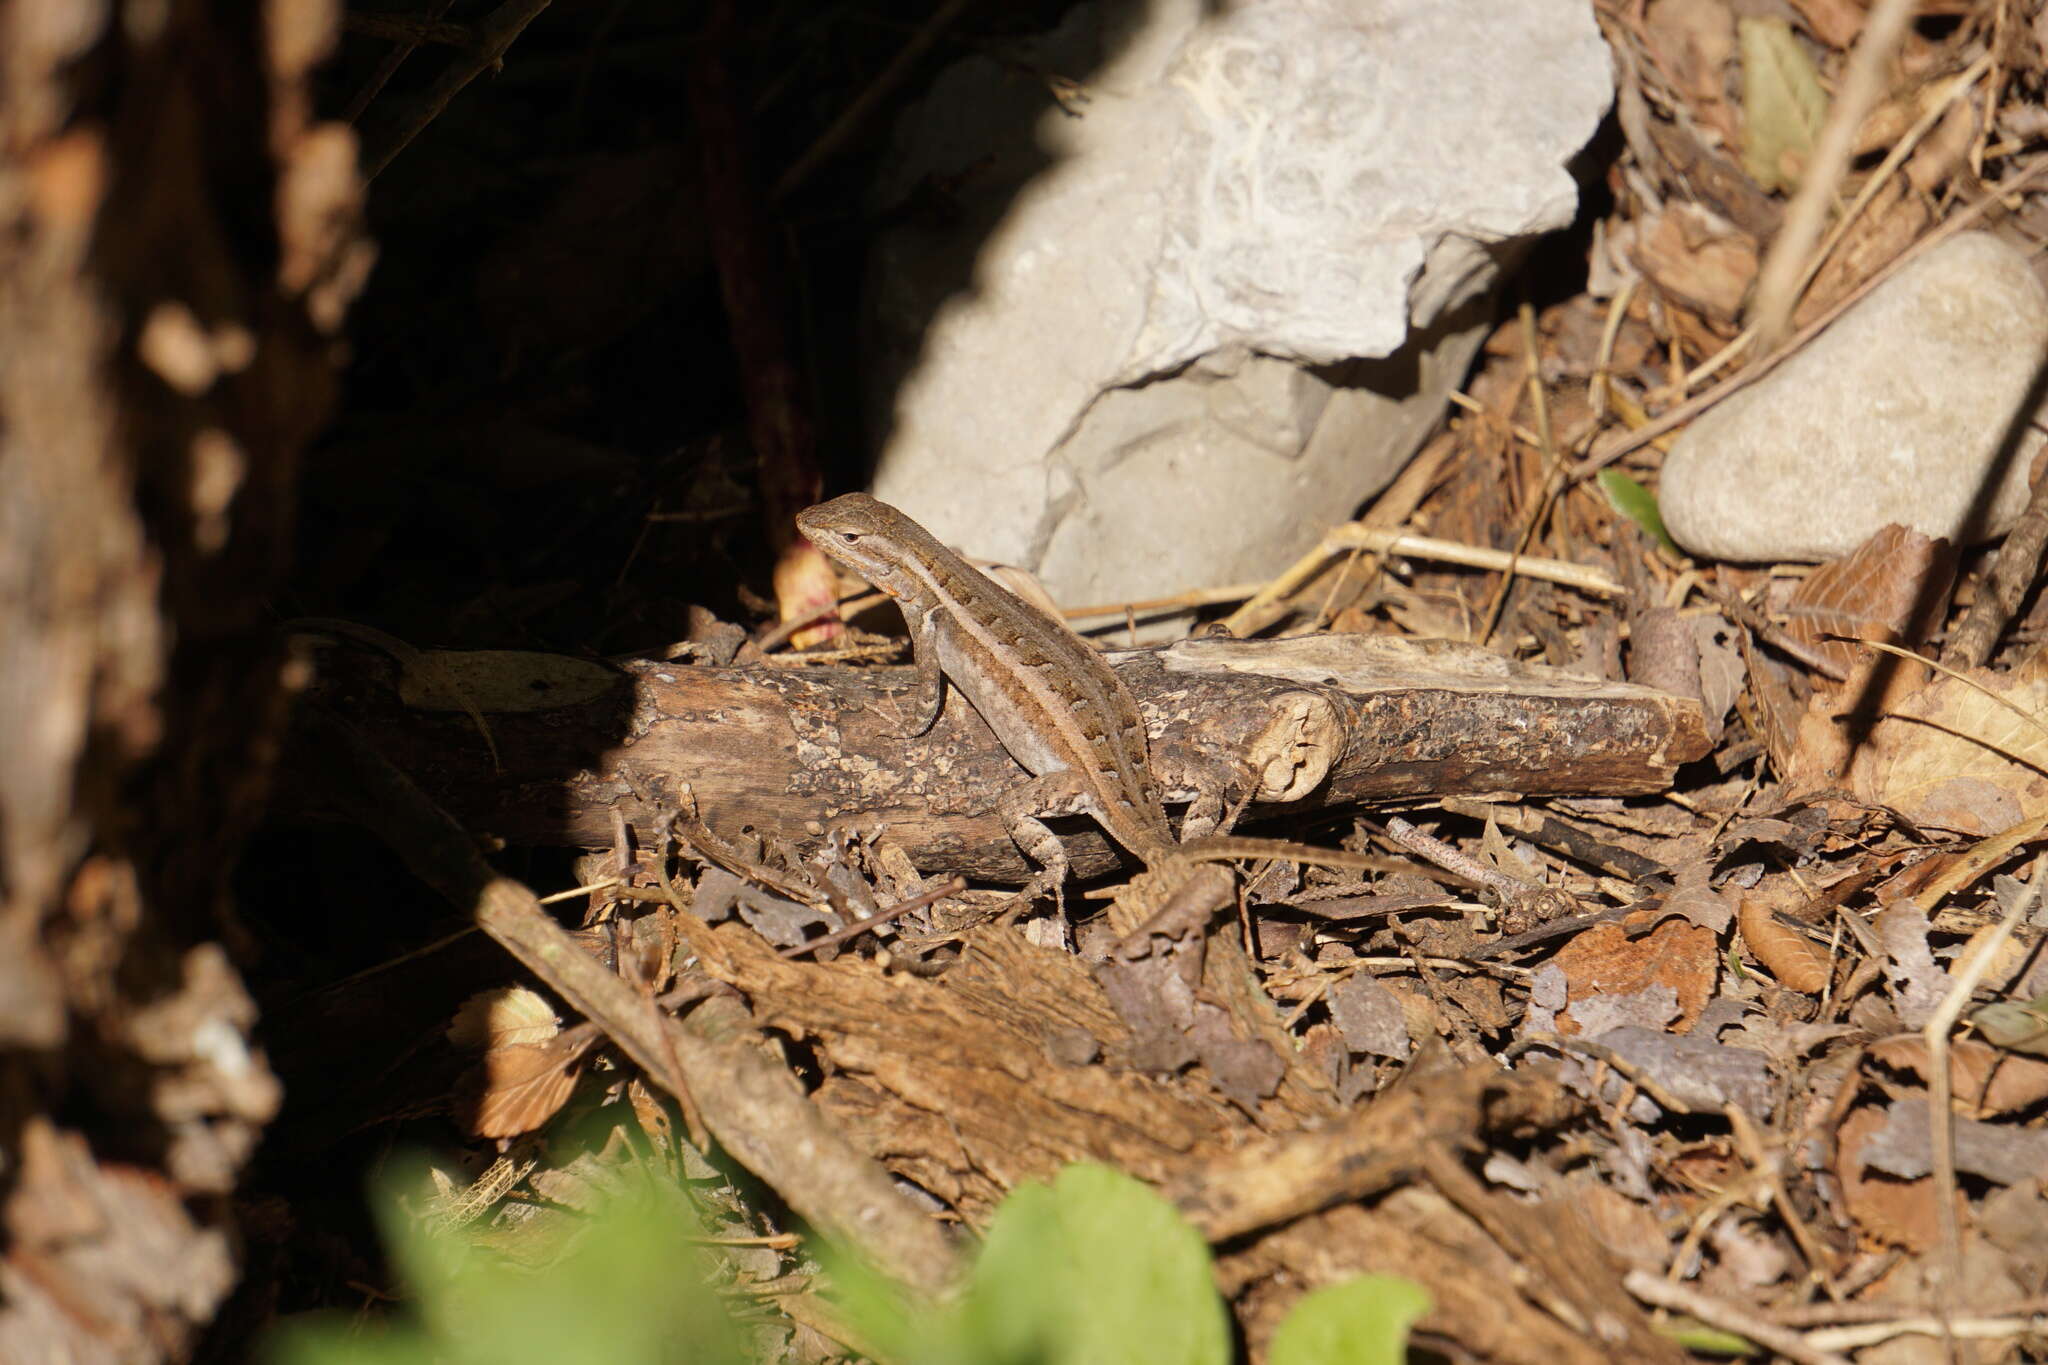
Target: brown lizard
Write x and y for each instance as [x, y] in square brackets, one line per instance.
[1050, 697]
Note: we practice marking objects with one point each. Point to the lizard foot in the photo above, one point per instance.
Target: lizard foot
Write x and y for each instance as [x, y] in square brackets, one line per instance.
[1029, 894]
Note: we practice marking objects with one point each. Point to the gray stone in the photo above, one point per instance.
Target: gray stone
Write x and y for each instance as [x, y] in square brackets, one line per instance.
[1169, 340]
[1897, 413]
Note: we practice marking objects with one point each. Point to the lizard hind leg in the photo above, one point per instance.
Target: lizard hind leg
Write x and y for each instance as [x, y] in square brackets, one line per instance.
[1053, 794]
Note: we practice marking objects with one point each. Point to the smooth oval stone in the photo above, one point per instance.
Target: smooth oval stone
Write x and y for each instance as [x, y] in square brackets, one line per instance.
[1897, 413]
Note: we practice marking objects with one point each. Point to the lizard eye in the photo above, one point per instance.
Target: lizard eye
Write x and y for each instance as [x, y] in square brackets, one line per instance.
[850, 537]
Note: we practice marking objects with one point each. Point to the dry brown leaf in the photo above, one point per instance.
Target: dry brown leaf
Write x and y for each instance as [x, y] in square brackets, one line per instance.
[1951, 757]
[652, 1113]
[1784, 952]
[1693, 43]
[1625, 1227]
[1896, 1212]
[1604, 960]
[523, 1086]
[1694, 899]
[1698, 260]
[1913, 979]
[1835, 22]
[1986, 1081]
[804, 581]
[1770, 707]
[503, 1017]
[2009, 957]
[1946, 149]
[1909, 881]
[1869, 593]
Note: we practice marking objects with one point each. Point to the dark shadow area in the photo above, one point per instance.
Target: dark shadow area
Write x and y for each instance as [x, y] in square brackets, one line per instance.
[540, 446]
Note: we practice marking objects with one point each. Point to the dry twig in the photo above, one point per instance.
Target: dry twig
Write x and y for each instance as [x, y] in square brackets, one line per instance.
[1777, 284]
[1941, 1111]
[1717, 1313]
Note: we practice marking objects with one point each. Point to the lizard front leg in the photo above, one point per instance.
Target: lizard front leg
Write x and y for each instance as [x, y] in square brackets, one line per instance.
[928, 694]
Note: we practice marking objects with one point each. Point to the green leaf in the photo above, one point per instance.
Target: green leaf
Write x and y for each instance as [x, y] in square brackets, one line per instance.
[2016, 1025]
[1639, 505]
[1697, 1336]
[625, 1288]
[333, 1339]
[1783, 105]
[1095, 1267]
[1359, 1322]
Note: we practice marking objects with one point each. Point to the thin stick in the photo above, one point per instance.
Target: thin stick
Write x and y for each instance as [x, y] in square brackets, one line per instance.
[1459, 398]
[1830, 1314]
[1693, 407]
[1601, 382]
[752, 1105]
[1453, 861]
[1871, 186]
[2019, 564]
[1875, 181]
[1957, 1329]
[951, 887]
[1982, 856]
[404, 44]
[1357, 535]
[1777, 283]
[1716, 1313]
[494, 35]
[1964, 679]
[1392, 509]
[849, 606]
[1749, 618]
[1180, 601]
[1940, 1109]
[1553, 466]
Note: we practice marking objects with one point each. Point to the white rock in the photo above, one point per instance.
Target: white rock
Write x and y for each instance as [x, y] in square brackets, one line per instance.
[1117, 391]
[1895, 414]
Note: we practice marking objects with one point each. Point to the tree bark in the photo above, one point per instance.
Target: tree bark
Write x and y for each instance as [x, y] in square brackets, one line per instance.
[783, 753]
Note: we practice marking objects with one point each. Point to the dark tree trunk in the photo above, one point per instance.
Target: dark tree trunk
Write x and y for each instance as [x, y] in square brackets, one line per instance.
[178, 241]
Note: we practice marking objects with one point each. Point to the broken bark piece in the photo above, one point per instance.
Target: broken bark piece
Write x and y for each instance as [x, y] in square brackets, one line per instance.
[962, 1083]
[1334, 721]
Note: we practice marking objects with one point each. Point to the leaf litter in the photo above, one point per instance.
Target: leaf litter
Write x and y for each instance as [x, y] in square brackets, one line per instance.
[1699, 1050]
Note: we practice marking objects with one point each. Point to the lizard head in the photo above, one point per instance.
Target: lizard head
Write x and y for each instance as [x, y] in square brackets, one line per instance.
[867, 535]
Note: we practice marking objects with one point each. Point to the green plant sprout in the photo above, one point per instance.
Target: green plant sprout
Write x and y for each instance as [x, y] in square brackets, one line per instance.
[1092, 1268]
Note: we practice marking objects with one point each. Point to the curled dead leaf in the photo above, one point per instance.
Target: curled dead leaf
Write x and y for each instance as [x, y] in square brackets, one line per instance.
[523, 1086]
[1868, 594]
[1783, 951]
